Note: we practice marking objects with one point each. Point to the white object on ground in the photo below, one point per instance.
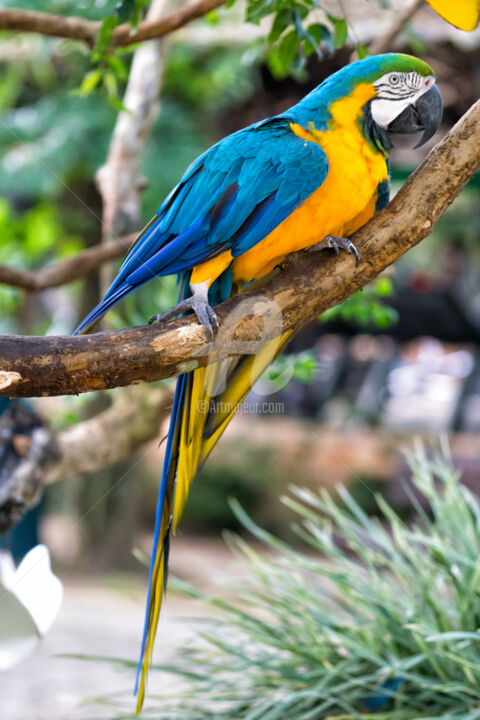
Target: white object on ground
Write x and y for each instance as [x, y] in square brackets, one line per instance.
[30, 598]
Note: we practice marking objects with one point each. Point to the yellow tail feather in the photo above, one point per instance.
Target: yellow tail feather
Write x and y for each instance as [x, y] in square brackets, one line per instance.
[204, 412]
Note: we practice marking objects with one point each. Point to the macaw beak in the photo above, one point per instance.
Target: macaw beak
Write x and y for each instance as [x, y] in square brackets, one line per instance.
[425, 115]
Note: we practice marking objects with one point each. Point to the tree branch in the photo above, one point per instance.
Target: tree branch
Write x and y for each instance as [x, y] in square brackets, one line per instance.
[133, 419]
[76, 28]
[309, 285]
[67, 270]
[31, 21]
[124, 35]
[33, 457]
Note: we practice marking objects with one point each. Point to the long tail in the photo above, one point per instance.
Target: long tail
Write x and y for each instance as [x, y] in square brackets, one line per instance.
[204, 403]
[199, 416]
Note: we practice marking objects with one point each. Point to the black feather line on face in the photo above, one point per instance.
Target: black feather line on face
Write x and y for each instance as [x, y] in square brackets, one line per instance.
[377, 136]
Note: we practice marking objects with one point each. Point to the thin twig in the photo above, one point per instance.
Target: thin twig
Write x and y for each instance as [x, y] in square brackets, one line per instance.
[68, 270]
[76, 28]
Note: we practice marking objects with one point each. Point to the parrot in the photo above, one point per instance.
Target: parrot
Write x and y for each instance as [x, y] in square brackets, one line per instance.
[463, 14]
[304, 179]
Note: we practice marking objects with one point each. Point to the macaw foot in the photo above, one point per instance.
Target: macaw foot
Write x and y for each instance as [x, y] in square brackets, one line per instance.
[199, 305]
[337, 243]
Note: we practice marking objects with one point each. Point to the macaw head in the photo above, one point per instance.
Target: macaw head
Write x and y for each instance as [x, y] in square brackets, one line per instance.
[391, 93]
[406, 98]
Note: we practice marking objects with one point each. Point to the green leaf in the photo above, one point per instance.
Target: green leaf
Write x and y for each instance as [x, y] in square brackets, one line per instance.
[212, 17]
[384, 316]
[384, 287]
[110, 82]
[90, 82]
[305, 366]
[282, 20]
[104, 37]
[340, 31]
[316, 34]
[259, 9]
[288, 48]
[117, 104]
[362, 51]
[118, 66]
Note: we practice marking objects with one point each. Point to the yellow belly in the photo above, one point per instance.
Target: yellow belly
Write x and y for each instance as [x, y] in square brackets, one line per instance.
[344, 202]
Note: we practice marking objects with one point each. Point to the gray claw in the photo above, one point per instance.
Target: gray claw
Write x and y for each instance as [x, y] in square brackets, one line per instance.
[205, 313]
[337, 243]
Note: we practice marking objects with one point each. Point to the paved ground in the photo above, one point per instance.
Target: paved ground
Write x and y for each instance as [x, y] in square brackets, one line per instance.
[101, 617]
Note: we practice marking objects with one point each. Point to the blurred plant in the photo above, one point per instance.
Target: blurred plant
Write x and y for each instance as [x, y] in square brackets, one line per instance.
[289, 42]
[373, 619]
[29, 239]
[300, 366]
[400, 603]
[363, 308]
[366, 307]
[109, 70]
[207, 79]
[249, 478]
[298, 29]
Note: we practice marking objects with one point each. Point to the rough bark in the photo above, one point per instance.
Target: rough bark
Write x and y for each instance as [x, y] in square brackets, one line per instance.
[133, 419]
[75, 28]
[309, 285]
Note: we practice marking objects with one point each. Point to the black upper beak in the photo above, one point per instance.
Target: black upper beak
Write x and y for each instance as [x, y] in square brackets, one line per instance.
[425, 115]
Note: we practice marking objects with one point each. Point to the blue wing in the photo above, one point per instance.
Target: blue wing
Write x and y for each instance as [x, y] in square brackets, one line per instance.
[383, 191]
[230, 198]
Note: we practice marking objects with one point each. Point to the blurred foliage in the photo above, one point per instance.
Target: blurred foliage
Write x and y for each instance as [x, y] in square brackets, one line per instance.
[366, 307]
[299, 28]
[290, 42]
[249, 478]
[370, 618]
[89, 9]
[29, 239]
[384, 621]
[51, 139]
[301, 366]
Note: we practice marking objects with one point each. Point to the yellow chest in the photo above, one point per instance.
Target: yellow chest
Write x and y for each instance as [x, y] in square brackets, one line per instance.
[345, 200]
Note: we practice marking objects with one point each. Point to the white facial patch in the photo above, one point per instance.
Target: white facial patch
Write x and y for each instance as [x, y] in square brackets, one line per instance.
[394, 93]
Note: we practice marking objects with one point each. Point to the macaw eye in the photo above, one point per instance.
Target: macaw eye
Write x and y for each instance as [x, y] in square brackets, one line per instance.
[394, 79]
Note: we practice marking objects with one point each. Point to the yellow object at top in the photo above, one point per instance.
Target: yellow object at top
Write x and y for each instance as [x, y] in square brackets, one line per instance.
[464, 14]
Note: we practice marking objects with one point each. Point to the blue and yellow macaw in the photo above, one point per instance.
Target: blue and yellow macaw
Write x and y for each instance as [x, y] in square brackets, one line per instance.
[317, 172]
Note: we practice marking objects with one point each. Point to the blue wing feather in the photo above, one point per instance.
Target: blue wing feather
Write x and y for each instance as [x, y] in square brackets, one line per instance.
[383, 191]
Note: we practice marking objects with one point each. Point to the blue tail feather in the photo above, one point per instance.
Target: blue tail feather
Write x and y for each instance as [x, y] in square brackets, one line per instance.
[177, 407]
